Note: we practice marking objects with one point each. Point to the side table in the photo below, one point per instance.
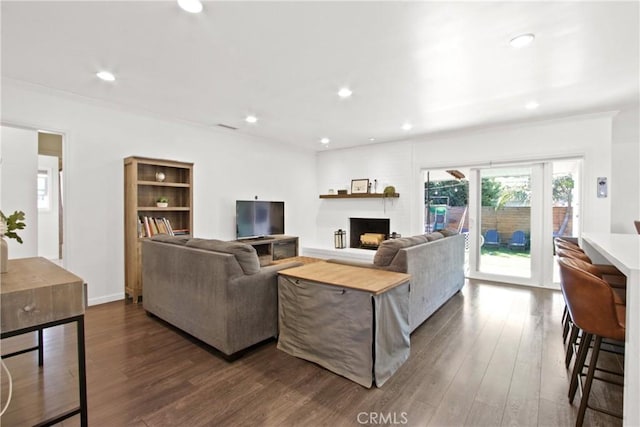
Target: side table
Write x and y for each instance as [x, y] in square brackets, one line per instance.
[37, 294]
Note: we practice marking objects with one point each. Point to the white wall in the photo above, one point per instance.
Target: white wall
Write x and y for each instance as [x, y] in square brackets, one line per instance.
[48, 237]
[400, 163]
[388, 163]
[625, 176]
[228, 165]
[19, 172]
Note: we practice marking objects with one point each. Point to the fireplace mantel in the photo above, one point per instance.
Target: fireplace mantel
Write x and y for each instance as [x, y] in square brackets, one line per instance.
[360, 196]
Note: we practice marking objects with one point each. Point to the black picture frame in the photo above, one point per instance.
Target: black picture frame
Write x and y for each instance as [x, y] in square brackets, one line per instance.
[360, 186]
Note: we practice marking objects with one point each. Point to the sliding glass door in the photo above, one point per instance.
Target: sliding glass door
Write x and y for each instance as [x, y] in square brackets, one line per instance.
[509, 214]
[506, 208]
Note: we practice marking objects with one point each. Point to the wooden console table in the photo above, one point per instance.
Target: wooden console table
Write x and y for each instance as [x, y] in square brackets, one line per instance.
[37, 294]
[273, 248]
[353, 321]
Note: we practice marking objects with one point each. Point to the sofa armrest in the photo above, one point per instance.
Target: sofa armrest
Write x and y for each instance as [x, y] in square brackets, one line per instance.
[266, 273]
[355, 263]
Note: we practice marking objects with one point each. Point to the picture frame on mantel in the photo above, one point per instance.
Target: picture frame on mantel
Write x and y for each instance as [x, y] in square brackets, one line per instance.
[359, 186]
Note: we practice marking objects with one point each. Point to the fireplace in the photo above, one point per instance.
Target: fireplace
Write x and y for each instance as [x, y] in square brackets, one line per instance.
[360, 226]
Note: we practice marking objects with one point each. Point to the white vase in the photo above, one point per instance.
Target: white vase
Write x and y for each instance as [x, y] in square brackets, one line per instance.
[162, 204]
[4, 255]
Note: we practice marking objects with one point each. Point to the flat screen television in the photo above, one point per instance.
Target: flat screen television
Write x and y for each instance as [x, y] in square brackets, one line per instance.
[257, 218]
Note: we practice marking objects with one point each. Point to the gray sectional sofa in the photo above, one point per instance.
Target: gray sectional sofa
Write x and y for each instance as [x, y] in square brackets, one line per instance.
[435, 262]
[213, 290]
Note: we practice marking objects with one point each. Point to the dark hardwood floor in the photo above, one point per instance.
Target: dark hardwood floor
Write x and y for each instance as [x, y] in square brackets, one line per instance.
[493, 355]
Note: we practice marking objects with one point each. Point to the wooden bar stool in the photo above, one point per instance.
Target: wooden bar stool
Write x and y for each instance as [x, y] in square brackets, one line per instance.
[592, 307]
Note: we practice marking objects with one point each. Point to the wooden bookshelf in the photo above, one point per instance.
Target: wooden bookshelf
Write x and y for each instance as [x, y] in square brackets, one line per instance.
[360, 196]
[141, 191]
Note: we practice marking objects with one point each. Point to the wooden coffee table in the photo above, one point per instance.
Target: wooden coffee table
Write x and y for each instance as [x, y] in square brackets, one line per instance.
[351, 320]
[302, 259]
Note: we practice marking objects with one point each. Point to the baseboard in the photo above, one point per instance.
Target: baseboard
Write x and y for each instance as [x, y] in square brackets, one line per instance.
[107, 298]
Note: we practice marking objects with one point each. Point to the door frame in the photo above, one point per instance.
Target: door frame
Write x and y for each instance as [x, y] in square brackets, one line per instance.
[544, 246]
[64, 183]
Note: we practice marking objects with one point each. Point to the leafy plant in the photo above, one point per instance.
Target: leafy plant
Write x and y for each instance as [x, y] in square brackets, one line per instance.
[491, 190]
[451, 192]
[13, 222]
[563, 189]
[162, 199]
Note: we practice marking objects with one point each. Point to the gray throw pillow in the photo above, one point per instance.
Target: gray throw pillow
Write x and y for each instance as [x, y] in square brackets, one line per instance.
[245, 254]
[448, 232]
[434, 236]
[388, 249]
[417, 240]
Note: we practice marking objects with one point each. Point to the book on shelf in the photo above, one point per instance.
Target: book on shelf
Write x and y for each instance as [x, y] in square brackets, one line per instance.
[149, 226]
[154, 227]
[168, 225]
[162, 229]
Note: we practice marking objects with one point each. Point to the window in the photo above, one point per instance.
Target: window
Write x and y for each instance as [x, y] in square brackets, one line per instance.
[44, 189]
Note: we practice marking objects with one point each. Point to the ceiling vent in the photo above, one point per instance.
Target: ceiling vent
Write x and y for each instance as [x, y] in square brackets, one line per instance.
[222, 125]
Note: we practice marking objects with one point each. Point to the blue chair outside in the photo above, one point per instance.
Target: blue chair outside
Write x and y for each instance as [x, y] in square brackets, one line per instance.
[492, 238]
[518, 240]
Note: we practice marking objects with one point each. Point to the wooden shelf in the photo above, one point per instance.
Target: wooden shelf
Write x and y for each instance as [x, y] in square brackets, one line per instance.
[360, 196]
[164, 184]
[168, 209]
[141, 193]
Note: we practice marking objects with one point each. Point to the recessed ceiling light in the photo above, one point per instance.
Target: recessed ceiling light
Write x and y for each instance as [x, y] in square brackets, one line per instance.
[325, 140]
[522, 40]
[191, 6]
[531, 105]
[345, 92]
[106, 76]
[251, 119]
[406, 126]
[372, 139]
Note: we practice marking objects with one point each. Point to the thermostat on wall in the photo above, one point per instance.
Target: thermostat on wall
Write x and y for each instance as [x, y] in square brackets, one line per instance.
[602, 186]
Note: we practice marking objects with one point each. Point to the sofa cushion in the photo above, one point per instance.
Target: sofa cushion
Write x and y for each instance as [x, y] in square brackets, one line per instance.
[389, 248]
[416, 240]
[245, 254]
[175, 240]
[446, 232]
[434, 236]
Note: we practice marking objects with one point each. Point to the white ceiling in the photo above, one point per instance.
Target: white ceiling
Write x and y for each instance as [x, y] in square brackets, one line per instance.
[439, 65]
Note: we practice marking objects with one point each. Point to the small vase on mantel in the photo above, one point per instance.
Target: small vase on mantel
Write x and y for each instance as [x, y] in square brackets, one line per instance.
[4, 255]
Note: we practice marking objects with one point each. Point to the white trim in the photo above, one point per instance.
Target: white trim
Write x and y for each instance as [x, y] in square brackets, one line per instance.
[107, 298]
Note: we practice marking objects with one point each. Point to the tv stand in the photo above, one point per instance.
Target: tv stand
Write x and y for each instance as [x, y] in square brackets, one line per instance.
[273, 248]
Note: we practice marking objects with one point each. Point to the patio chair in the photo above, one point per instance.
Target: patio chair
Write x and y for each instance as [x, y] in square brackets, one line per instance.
[518, 240]
[492, 239]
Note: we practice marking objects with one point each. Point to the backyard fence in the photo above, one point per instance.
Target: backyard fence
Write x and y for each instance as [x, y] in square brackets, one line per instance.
[507, 220]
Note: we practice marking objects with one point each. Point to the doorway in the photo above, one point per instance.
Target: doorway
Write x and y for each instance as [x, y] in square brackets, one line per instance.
[505, 220]
[512, 211]
[49, 194]
[31, 171]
